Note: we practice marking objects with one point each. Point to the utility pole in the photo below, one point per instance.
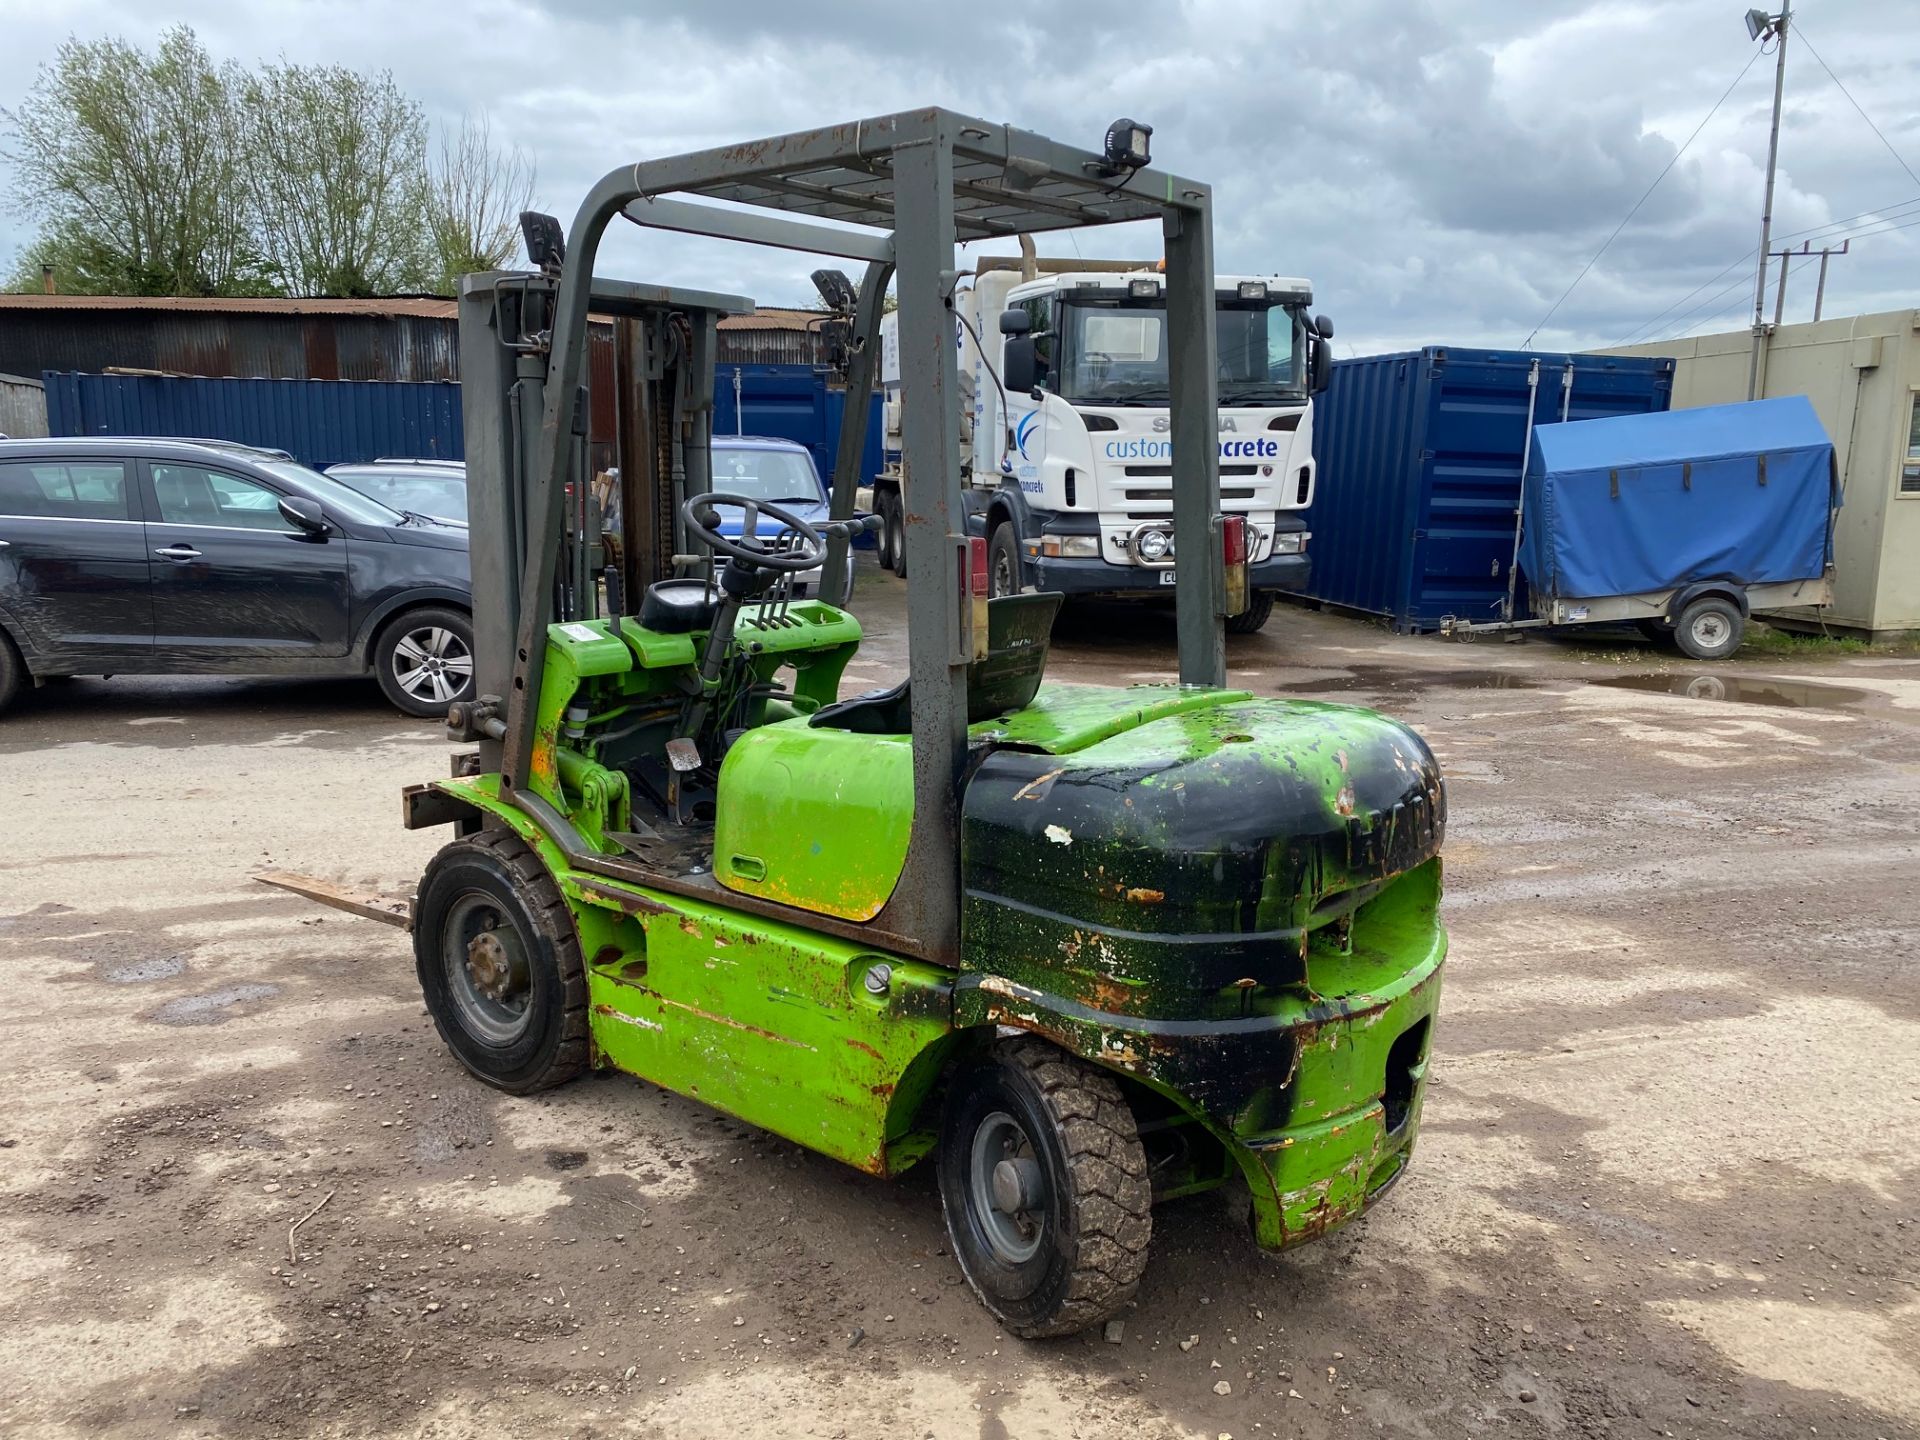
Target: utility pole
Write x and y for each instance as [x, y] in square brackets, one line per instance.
[1820, 290]
[1807, 252]
[1775, 26]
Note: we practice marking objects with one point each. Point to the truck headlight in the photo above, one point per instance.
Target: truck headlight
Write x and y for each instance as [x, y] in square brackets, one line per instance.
[1070, 547]
[1290, 542]
[1155, 545]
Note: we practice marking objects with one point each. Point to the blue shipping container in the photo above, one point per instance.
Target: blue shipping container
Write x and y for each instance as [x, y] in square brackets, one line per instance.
[791, 402]
[1419, 457]
[318, 422]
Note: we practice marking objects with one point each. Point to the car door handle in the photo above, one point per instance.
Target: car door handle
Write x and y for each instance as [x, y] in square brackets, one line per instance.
[178, 552]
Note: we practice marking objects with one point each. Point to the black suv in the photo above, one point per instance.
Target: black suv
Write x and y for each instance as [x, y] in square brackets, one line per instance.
[190, 557]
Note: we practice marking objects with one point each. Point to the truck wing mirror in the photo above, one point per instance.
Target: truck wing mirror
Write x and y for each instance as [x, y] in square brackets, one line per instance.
[1322, 365]
[1015, 321]
[1020, 368]
[1323, 327]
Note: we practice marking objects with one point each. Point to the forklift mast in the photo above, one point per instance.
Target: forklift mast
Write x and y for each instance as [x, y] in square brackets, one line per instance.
[663, 354]
[896, 192]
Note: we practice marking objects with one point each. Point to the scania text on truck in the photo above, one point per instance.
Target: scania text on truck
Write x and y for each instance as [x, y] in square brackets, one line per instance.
[1064, 426]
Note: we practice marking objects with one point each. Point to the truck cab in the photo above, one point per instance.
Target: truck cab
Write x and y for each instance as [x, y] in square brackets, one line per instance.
[1065, 436]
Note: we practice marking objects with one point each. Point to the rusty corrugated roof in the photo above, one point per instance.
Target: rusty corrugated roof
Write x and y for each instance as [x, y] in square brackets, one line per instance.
[425, 306]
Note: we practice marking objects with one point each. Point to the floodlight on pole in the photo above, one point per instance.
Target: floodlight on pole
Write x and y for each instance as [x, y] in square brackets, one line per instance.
[1759, 25]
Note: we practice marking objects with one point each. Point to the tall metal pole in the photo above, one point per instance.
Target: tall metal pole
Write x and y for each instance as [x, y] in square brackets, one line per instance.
[1766, 210]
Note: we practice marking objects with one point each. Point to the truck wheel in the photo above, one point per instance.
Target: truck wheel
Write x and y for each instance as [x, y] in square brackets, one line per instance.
[1710, 628]
[1044, 1182]
[883, 542]
[424, 660]
[1259, 607]
[897, 534]
[13, 672]
[499, 964]
[1003, 562]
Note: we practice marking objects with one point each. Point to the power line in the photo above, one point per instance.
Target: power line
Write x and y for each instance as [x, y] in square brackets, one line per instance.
[1826, 231]
[1801, 31]
[1643, 200]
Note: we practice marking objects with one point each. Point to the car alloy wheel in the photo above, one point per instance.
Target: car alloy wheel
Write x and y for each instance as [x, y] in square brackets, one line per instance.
[432, 664]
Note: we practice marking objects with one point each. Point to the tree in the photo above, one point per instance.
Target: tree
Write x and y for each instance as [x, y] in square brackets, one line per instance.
[129, 159]
[336, 180]
[474, 196]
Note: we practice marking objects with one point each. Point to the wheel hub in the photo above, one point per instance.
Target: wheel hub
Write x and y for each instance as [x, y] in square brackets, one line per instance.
[1009, 1189]
[497, 972]
[1017, 1186]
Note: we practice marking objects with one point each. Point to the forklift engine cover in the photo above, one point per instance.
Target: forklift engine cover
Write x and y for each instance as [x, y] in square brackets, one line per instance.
[1233, 900]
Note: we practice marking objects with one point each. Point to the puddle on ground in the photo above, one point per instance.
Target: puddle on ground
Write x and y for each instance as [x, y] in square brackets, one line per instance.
[1374, 679]
[1743, 690]
[139, 969]
[211, 1008]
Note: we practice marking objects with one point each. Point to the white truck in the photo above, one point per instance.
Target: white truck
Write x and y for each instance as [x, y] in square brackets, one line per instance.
[1069, 477]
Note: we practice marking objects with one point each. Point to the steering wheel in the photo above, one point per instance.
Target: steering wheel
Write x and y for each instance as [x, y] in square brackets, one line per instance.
[701, 513]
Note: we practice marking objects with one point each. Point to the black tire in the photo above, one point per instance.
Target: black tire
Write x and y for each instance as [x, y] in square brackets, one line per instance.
[1003, 562]
[897, 529]
[520, 1025]
[883, 538]
[13, 671]
[1710, 628]
[1075, 1255]
[1251, 619]
[404, 659]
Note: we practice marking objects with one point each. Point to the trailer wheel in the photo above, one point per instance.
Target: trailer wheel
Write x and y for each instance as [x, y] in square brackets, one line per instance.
[1710, 628]
[897, 531]
[1044, 1182]
[1259, 608]
[499, 964]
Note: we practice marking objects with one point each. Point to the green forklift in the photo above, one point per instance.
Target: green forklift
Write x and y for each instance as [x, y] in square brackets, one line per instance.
[1086, 948]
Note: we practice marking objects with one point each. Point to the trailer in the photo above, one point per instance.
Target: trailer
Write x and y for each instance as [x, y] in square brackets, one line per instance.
[1686, 523]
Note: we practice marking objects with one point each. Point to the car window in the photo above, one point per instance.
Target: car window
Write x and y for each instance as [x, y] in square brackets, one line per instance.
[339, 498]
[71, 490]
[193, 495]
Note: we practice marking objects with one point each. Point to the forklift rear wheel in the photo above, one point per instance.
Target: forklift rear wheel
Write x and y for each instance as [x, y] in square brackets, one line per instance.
[424, 660]
[1710, 628]
[499, 964]
[12, 671]
[1259, 607]
[897, 529]
[1044, 1182]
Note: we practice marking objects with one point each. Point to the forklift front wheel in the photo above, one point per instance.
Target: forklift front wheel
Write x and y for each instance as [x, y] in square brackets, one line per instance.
[499, 964]
[1044, 1182]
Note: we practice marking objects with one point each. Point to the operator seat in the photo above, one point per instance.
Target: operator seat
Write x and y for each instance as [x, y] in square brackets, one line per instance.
[674, 607]
[1018, 629]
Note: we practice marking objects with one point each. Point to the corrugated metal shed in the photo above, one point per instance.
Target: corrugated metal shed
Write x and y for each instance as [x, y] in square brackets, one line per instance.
[402, 338]
[23, 407]
[397, 339]
[321, 422]
[1419, 471]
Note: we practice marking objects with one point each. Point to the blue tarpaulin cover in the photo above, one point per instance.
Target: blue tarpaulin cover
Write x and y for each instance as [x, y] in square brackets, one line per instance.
[1637, 503]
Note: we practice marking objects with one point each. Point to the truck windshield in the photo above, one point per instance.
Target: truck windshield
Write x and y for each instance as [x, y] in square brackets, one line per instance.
[1113, 351]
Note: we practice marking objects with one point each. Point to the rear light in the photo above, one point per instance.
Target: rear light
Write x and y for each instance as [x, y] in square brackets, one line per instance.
[1233, 539]
[976, 591]
[1233, 554]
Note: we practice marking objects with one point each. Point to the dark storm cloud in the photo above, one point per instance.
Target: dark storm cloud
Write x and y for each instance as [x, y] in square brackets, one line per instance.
[1441, 171]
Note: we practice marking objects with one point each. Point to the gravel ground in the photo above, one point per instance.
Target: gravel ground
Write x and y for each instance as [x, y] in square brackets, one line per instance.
[1664, 1186]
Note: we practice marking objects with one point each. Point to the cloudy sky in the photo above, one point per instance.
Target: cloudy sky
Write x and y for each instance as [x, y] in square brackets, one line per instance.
[1441, 171]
